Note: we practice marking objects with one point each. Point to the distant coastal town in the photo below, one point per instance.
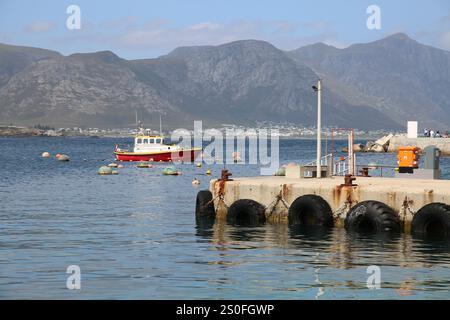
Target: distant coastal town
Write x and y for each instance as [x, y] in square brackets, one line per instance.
[284, 131]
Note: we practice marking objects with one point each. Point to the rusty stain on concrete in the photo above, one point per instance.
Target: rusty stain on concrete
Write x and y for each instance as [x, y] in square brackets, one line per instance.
[429, 194]
[405, 196]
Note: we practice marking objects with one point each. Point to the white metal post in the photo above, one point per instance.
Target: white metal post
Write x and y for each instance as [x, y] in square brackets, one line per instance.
[319, 128]
[351, 153]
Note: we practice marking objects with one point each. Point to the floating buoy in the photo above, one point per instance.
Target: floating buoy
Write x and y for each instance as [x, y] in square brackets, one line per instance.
[45, 155]
[144, 164]
[198, 165]
[195, 182]
[113, 165]
[208, 172]
[372, 166]
[120, 166]
[63, 157]
[281, 172]
[105, 170]
[171, 171]
[236, 157]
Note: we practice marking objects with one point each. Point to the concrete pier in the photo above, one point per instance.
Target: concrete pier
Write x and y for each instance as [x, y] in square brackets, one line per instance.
[402, 141]
[405, 196]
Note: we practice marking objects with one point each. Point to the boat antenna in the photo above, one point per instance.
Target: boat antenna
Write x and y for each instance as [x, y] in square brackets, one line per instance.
[137, 122]
[160, 125]
[139, 125]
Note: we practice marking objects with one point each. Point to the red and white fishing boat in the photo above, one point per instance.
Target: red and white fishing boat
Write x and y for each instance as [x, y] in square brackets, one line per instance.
[149, 147]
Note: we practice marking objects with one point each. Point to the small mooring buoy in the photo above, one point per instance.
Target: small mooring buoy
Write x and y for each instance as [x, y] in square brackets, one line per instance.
[195, 182]
[144, 164]
[208, 172]
[45, 155]
[198, 165]
[281, 172]
[113, 165]
[62, 157]
[372, 165]
[105, 170]
[171, 171]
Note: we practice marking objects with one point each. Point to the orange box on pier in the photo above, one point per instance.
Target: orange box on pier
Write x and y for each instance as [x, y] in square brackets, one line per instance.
[408, 157]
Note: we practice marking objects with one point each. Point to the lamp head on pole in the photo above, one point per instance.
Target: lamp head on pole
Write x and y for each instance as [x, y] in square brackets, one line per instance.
[315, 88]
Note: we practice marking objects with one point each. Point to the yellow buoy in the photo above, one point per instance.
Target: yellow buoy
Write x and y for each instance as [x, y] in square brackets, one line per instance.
[208, 172]
[198, 165]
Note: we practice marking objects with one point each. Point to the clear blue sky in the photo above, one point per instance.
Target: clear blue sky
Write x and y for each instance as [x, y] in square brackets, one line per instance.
[140, 29]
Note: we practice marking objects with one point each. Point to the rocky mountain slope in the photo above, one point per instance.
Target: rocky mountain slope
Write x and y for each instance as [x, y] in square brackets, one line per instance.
[369, 86]
[397, 76]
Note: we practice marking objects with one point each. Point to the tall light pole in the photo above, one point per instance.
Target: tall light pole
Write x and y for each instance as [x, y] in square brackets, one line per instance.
[318, 89]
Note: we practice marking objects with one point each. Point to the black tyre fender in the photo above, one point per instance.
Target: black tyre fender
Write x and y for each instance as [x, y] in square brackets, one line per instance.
[372, 216]
[204, 206]
[432, 220]
[310, 210]
[246, 212]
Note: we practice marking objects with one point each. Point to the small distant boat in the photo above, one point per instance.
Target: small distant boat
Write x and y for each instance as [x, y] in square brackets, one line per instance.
[149, 147]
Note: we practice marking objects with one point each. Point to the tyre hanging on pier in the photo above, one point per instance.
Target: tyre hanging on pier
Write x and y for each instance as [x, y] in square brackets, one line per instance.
[310, 210]
[204, 206]
[246, 212]
[432, 220]
[372, 217]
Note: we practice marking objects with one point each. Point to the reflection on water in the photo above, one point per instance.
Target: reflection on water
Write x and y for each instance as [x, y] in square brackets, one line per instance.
[134, 235]
[334, 258]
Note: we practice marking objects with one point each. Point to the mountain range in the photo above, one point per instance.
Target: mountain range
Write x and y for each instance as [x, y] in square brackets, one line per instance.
[377, 85]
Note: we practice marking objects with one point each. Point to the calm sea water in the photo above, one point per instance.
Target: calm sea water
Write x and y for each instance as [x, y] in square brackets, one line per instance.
[134, 236]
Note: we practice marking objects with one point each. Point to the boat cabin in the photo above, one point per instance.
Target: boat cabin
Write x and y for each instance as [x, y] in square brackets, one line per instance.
[153, 143]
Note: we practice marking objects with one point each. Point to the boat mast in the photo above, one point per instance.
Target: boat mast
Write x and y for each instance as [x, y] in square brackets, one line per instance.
[139, 128]
[136, 117]
[160, 125]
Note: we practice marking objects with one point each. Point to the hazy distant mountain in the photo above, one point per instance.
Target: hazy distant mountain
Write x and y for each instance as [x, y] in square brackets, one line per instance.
[96, 89]
[397, 76]
[14, 59]
[238, 82]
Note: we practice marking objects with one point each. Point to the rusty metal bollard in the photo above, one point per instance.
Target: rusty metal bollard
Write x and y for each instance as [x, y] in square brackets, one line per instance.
[225, 176]
[348, 181]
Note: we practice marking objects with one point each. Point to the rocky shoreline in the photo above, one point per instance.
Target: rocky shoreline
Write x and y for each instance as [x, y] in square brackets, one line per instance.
[12, 131]
[391, 143]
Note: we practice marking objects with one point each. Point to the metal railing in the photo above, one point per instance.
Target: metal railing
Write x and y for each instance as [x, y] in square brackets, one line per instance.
[327, 161]
[324, 161]
[341, 168]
